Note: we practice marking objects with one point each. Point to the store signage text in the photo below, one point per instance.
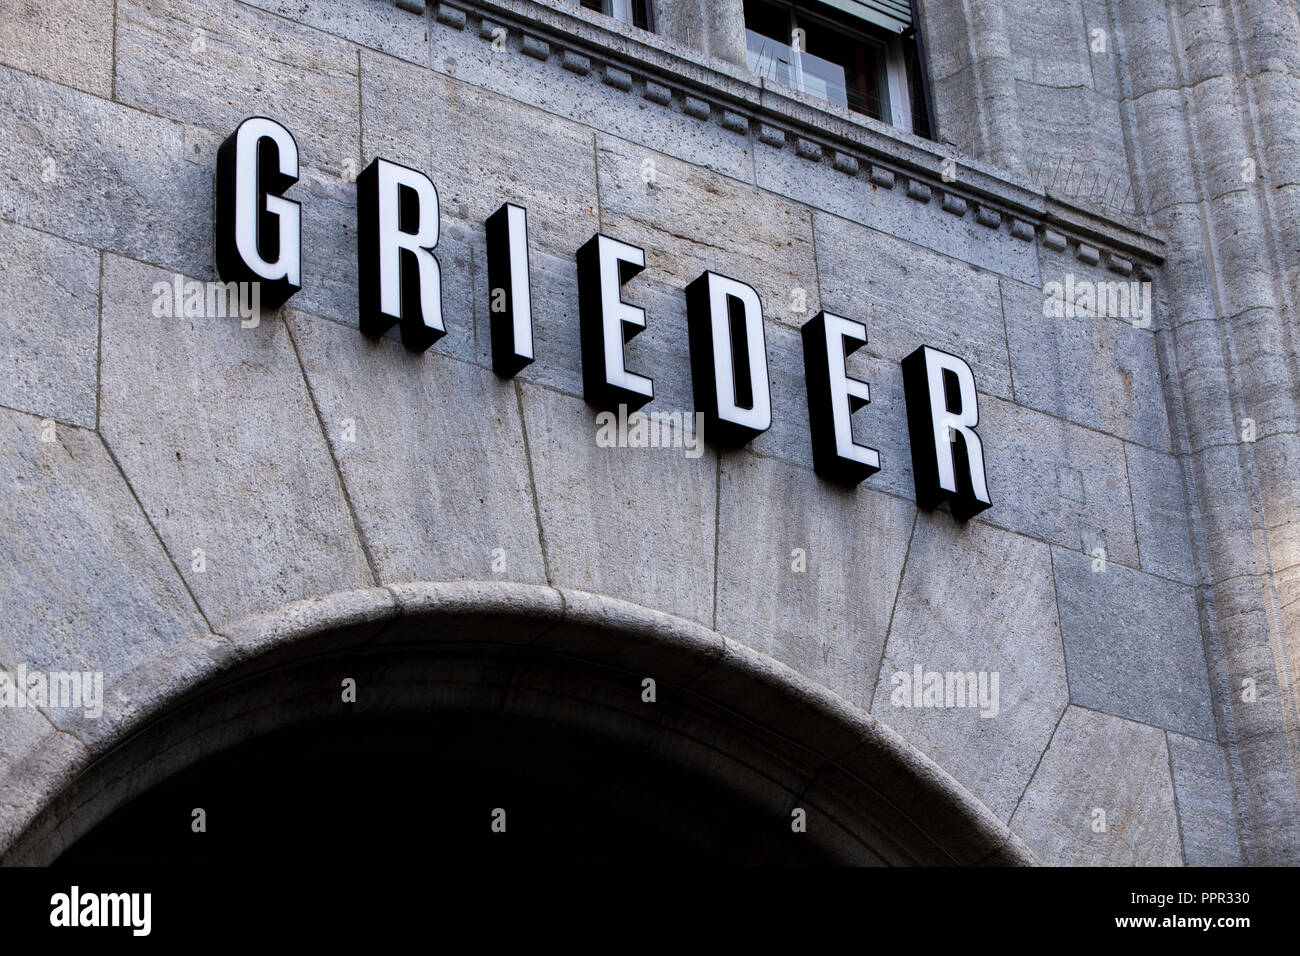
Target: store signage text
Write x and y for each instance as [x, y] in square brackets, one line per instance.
[259, 240]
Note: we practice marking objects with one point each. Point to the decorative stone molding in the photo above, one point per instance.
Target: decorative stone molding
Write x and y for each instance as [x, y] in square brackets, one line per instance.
[451, 16]
[707, 89]
[576, 63]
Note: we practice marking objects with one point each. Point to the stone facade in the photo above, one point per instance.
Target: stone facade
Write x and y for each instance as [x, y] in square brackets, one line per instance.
[207, 481]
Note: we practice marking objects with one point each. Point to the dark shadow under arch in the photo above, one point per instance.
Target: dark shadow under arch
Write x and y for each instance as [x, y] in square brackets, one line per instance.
[477, 697]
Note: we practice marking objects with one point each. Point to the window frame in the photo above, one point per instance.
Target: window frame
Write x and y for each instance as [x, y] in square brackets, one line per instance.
[635, 13]
[893, 80]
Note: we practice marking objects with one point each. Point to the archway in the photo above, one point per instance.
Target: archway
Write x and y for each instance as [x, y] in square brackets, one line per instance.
[473, 698]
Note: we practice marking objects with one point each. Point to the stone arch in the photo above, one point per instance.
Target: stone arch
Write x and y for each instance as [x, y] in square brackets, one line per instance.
[726, 714]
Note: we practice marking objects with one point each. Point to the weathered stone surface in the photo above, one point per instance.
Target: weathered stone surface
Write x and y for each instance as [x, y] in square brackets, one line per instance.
[1231, 523]
[87, 585]
[619, 79]
[1052, 43]
[676, 217]
[214, 428]
[909, 297]
[340, 619]
[1269, 762]
[657, 93]
[213, 64]
[1160, 113]
[945, 29]
[590, 620]
[1133, 645]
[379, 26]
[1262, 346]
[715, 29]
[1056, 481]
[1097, 370]
[1144, 26]
[1096, 762]
[1240, 606]
[467, 140]
[810, 571]
[955, 613]
[36, 761]
[49, 325]
[67, 41]
[447, 14]
[634, 523]
[1207, 812]
[1160, 514]
[1077, 134]
[74, 162]
[436, 468]
[1197, 351]
[881, 425]
[890, 211]
[545, 84]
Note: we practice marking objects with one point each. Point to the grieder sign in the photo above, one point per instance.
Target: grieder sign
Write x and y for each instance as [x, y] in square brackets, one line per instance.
[259, 239]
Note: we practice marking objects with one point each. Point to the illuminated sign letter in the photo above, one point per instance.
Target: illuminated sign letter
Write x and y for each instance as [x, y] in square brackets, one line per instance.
[724, 319]
[398, 277]
[259, 233]
[942, 412]
[608, 322]
[509, 295]
[833, 397]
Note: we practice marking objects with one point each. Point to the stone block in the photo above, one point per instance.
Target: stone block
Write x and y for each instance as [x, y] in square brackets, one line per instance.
[213, 426]
[55, 141]
[909, 297]
[632, 523]
[1098, 370]
[469, 147]
[1207, 812]
[67, 41]
[891, 211]
[676, 218]
[808, 570]
[1024, 452]
[1160, 513]
[214, 64]
[380, 26]
[88, 586]
[955, 613]
[1133, 646]
[440, 488]
[49, 326]
[1096, 762]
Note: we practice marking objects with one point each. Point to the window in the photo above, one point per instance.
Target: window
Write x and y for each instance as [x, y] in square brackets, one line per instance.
[859, 54]
[635, 12]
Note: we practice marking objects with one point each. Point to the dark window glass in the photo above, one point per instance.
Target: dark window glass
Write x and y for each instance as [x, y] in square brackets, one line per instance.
[635, 12]
[842, 68]
[916, 89]
[828, 57]
[768, 19]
